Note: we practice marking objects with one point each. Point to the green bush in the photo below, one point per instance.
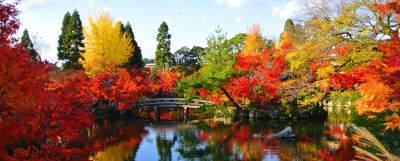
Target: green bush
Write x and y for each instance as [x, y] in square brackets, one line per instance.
[214, 110]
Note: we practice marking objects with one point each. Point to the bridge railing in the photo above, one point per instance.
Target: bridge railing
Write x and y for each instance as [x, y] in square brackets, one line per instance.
[167, 101]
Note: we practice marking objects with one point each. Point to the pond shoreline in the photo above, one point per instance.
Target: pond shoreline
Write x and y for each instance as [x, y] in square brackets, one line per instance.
[259, 115]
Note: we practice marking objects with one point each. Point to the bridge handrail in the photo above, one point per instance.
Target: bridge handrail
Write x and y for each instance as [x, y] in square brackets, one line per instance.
[158, 101]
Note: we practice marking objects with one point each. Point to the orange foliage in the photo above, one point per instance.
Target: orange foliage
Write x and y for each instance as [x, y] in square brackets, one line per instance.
[285, 45]
[392, 122]
[382, 81]
[385, 9]
[217, 98]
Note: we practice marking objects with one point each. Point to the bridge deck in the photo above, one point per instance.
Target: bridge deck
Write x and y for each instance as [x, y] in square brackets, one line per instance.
[170, 102]
[167, 102]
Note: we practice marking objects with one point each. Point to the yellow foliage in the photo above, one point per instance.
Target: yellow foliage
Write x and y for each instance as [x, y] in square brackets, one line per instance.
[325, 72]
[254, 41]
[105, 47]
[314, 97]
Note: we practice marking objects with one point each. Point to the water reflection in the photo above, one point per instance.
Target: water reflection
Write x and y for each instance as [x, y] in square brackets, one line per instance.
[164, 113]
[217, 140]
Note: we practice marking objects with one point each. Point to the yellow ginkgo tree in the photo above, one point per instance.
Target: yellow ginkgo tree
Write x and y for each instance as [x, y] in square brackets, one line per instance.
[105, 47]
[254, 41]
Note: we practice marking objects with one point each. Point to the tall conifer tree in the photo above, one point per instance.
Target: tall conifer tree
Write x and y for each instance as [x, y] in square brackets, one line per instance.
[163, 54]
[70, 42]
[136, 59]
[29, 45]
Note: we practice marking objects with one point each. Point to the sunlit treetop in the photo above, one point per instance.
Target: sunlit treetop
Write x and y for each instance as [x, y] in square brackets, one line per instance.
[254, 42]
[105, 47]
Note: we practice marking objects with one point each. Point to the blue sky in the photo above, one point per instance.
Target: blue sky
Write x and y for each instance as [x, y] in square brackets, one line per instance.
[190, 21]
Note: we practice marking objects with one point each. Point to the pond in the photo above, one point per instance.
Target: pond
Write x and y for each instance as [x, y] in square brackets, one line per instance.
[216, 139]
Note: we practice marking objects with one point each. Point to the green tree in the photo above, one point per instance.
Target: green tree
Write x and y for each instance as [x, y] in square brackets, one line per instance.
[62, 39]
[296, 31]
[136, 59]
[70, 42]
[289, 26]
[217, 69]
[269, 44]
[147, 60]
[163, 54]
[25, 40]
[181, 55]
[189, 58]
[197, 51]
[237, 42]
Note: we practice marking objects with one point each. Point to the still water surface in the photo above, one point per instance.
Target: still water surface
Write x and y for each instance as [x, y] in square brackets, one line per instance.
[211, 139]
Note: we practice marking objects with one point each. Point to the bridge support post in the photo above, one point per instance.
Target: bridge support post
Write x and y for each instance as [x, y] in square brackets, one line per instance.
[185, 112]
[156, 114]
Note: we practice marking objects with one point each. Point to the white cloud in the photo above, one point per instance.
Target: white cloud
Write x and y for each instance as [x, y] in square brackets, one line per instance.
[177, 11]
[286, 11]
[203, 18]
[90, 4]
[289, 9]
[231, 3]
[275, 10]
[238, 18]
[239, 3]
[28, 4]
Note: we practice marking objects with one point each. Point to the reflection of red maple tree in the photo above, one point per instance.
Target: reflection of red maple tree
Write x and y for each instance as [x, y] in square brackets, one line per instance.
[343, 151]
[111, 134]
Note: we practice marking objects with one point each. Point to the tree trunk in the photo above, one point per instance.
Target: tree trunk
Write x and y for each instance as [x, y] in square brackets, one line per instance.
[238, 108]
[251, 88]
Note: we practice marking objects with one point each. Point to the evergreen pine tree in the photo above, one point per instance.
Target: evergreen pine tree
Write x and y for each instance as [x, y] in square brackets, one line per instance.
[70, 43]
[136, 59]
[289, 26]
[122, 28]
[163, 54]
[29, 45]
[296, 31]
[62, 39]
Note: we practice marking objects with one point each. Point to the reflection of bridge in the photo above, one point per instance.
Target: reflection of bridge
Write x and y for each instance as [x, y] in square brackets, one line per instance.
[168, 102]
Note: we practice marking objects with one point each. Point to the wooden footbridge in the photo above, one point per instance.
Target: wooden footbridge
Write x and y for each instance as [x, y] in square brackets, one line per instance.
[168, 102]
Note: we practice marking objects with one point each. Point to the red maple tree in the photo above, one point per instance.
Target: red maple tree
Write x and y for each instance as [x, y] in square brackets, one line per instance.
[39, 115]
